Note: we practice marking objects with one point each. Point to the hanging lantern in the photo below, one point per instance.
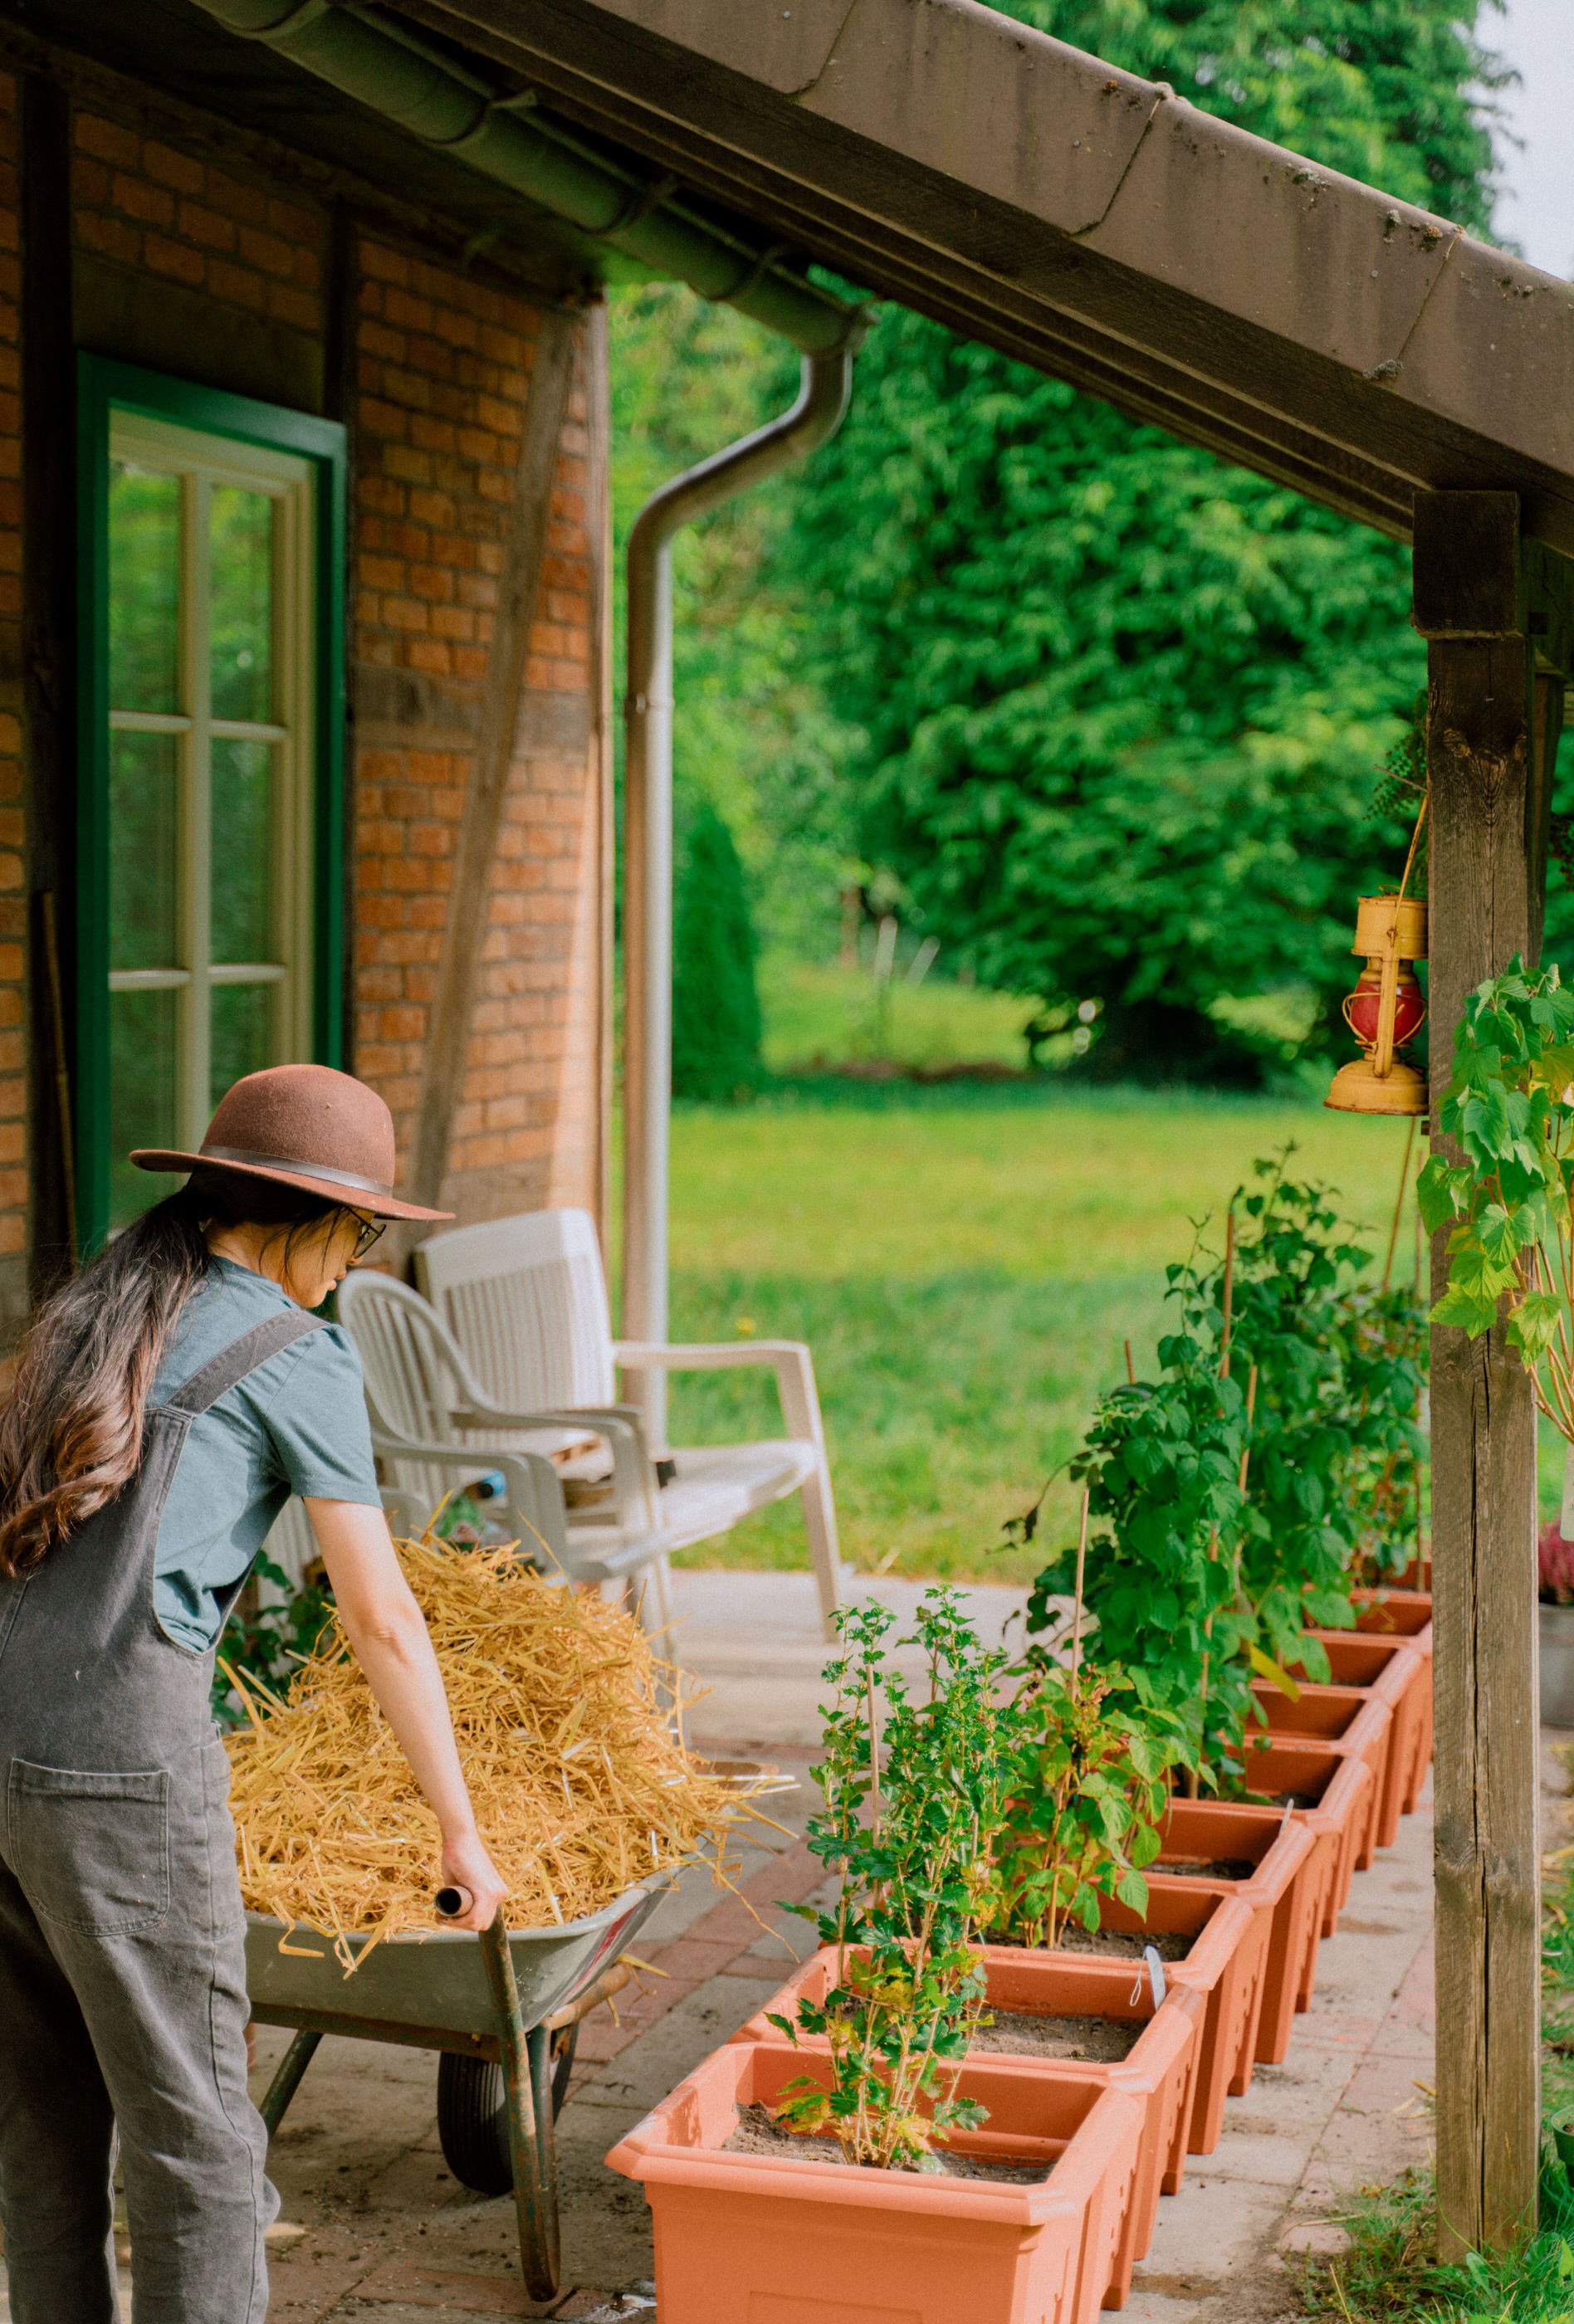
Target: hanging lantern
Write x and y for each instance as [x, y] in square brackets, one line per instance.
[1386, 1008]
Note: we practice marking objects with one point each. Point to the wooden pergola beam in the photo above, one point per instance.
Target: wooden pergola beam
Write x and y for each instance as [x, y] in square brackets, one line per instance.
[1494, 610]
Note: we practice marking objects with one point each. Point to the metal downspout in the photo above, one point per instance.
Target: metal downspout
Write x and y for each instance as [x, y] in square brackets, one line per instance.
[647, 889]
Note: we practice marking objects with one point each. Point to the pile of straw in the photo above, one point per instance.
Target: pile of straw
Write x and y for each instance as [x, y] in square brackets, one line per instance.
[580, 1784]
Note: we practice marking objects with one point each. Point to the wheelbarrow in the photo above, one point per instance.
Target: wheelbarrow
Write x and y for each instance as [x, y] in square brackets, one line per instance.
[501, 2007]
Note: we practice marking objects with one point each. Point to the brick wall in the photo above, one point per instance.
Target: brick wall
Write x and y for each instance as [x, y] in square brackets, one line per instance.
[139, 201]
[442, 378]
[443, 370]
[13, 1176]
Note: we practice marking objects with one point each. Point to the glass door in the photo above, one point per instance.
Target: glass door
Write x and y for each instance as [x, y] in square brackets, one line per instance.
[209, 810]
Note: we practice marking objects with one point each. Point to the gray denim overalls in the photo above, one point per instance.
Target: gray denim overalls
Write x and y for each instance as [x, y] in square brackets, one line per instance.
[123, 1999]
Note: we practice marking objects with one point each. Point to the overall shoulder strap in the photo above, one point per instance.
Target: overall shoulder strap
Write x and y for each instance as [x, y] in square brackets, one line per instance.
[230, 1365]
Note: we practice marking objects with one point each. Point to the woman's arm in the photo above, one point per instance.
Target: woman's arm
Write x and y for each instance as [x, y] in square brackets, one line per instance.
[387, 1631]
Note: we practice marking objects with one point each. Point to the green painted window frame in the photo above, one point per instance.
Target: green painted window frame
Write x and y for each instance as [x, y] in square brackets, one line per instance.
[103, 388]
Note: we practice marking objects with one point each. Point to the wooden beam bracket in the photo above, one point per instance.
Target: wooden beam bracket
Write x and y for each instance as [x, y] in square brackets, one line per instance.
[525, 545]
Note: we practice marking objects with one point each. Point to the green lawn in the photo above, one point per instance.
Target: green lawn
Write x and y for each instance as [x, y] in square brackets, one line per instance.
[819, 1013]
[966, 1263]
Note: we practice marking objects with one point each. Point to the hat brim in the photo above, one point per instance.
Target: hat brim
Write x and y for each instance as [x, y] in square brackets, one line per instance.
[349, 1198]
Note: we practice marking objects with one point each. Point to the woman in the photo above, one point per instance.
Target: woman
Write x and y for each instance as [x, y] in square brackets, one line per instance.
[168, 1401]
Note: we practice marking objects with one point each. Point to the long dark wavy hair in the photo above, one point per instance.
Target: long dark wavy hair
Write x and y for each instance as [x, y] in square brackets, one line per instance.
[71, 1435]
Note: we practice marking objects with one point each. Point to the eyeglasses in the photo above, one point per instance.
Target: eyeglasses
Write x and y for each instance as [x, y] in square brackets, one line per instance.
[371, 1230]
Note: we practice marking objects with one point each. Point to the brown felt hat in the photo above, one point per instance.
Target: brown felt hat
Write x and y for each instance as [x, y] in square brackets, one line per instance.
[302, 1126]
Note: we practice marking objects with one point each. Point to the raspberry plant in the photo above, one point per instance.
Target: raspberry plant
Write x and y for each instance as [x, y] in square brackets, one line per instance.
[1089, 1791]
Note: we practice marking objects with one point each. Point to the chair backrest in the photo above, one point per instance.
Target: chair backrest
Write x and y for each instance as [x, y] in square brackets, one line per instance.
[525, 1297]
[413, 1376]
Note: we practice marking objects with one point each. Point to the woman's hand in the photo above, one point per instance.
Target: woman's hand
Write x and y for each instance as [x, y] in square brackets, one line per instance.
[388, 1635]
[467, 1865]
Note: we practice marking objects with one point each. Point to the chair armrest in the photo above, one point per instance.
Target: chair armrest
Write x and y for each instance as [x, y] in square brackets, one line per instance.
[535, 1490]
[789, 1359]
[701, 1355]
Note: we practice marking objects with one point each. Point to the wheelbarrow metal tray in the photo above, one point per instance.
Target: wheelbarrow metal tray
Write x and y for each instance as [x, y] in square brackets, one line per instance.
[438, 1982]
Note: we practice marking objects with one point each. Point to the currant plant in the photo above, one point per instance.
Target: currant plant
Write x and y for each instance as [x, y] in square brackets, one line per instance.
[1510, 1104]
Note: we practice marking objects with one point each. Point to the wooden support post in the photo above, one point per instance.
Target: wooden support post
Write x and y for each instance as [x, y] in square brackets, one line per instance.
[1488, 851]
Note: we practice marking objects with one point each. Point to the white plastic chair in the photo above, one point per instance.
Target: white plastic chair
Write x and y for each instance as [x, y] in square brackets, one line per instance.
[434, 1427]
[525, 1297]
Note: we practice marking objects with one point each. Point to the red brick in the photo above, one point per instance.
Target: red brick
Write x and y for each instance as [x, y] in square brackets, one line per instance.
[169, 168]
[174, 259]
[107, 139]
[140, 199]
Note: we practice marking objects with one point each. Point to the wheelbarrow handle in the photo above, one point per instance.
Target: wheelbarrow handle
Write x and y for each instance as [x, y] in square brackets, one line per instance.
[454, 1902]
[527, 2082]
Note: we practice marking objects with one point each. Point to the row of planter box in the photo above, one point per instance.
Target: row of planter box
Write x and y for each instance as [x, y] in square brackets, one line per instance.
[1246, 1890]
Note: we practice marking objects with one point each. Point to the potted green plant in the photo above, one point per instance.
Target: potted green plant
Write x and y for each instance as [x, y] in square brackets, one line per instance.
[856, 2154]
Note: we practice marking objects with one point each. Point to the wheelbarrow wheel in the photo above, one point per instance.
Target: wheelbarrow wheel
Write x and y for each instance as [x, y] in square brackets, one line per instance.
[472, 2114]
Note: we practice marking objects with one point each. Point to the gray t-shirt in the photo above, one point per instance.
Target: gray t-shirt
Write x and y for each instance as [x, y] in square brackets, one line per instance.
[297, 1424]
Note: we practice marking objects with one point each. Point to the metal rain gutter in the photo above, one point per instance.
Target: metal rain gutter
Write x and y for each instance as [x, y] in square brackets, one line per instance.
[397, 75]
[647, 858]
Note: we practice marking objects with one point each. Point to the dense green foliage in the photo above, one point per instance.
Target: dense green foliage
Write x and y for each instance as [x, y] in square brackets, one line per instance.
[1106, 708]
[716, 1002]
[1117, 704]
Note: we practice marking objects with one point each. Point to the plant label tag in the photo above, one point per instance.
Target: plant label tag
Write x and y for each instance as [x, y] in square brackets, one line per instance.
[1155, 1974]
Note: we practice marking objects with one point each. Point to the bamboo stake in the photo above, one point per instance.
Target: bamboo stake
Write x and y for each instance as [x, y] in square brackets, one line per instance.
[1193, 1774]
[1399, 1200]
[1131, 1370]
[1077, 1610]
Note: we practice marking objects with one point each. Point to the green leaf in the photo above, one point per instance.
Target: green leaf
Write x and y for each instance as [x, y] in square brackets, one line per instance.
[1533, 1326]
[1465, 1311]
[1441, 1193]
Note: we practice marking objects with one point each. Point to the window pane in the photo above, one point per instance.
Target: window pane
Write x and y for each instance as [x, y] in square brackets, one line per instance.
[142, 1031]
[244, 774]
[145, 563]
[143, 795]
[242, 536]
[243, 1032]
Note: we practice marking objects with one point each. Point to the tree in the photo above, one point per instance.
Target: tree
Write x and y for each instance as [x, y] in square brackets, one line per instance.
[1115, 707]
[715, 1006]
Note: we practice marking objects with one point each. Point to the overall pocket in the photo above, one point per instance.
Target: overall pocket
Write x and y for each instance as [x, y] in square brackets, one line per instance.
[92, 1851]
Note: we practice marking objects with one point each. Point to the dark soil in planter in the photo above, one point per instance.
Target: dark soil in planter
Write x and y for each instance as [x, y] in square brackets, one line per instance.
[756, 2134]
[1217, 1867]
[1127, 1944]
[1295, 1800]
[1031, 2033]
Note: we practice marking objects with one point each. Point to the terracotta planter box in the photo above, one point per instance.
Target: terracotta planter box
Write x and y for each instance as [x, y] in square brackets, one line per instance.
[1405, 1614]
[771, 2239]
[1399, 1673]
[1354, 1724]
[1286, 1891]
[1160, 2069]
[1224, 1966]
[1344, 1795]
